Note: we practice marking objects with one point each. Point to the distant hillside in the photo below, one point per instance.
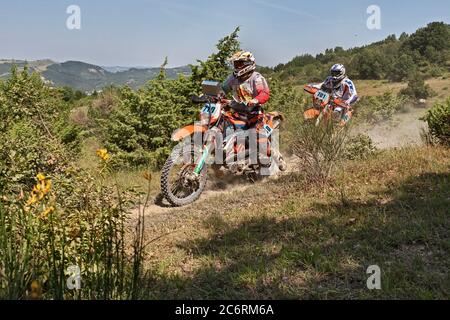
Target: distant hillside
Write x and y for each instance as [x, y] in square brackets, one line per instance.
[88, 77]
[425, 52]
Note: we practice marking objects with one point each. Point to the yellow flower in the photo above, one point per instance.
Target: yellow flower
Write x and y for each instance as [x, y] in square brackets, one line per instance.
[47, 186]
[37, 188]
[32, 200]
[39, 191]
[103, 154]
[46, 212]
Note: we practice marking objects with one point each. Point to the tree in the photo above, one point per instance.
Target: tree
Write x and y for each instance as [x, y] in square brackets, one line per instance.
[404, 36]
[370, 64]
[402, 68]
[29, 139]
[216, 66]
[435, 35]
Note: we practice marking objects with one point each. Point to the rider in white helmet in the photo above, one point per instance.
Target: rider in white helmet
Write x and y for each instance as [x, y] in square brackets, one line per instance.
[340, 86]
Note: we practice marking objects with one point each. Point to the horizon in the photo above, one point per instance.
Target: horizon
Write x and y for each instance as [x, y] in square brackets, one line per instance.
[141, 33]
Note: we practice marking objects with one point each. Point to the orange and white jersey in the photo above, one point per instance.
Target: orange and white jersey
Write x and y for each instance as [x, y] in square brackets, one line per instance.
[255, 87]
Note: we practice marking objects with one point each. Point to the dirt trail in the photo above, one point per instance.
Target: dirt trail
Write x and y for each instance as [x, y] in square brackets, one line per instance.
[403, 130]
[159, 210]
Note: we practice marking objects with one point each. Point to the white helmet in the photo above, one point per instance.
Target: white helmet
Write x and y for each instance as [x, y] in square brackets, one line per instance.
[243, 63]
[338, 74]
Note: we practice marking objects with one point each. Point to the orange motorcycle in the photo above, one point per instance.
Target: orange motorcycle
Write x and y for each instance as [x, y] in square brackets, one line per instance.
[220, 140]
[326, 108]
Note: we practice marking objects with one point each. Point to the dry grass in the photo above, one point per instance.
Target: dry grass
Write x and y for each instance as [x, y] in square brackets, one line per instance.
[282, 239]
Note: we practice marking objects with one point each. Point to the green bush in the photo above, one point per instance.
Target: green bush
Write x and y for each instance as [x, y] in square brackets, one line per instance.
[379, 108]
[359, 147]
[417, 88]
[30, 143]
[438, 119]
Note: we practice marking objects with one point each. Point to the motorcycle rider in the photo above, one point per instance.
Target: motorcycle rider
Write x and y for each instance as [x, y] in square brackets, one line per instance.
[250, 92]
[340, 86]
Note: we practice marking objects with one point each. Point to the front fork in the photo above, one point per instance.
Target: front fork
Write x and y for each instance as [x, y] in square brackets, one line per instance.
[202, 162]
[207, 149]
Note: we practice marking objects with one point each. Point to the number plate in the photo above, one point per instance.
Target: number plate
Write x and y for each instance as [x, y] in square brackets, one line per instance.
[322, 95]
[268, 129]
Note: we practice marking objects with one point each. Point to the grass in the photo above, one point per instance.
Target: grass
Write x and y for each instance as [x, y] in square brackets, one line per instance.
[285, 240]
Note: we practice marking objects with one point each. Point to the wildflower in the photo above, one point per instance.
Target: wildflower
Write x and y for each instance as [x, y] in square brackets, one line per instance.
[103, 154]
[47, 211]
[47, 186]
[40, 190]
[36, 290]
[32, 200]
[37, 188]
[147, 176]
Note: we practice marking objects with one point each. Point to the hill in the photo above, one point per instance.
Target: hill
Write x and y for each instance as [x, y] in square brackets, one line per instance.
[425, 52]
[88, 77]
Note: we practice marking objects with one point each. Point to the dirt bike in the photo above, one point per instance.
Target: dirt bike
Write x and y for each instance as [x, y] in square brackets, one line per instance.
[326, 108]
[219, 134]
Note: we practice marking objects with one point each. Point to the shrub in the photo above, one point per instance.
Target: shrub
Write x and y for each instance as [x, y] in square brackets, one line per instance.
[104, 103]
[438, 120]
[319, 149]
[379, 108]
[359, 147]
[417, 88]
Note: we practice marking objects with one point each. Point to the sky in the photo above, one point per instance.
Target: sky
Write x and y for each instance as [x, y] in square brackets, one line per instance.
[143, 32]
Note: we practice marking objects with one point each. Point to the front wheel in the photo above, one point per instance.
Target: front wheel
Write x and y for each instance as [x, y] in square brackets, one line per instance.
[179, 184]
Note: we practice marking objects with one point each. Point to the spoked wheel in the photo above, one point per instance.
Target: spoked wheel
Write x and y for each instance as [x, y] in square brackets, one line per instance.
[179, 184]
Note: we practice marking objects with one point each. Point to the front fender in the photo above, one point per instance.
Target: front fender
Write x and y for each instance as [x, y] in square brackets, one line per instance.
[187, 131]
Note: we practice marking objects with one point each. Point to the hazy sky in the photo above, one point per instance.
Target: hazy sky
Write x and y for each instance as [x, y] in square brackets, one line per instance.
[143, 32]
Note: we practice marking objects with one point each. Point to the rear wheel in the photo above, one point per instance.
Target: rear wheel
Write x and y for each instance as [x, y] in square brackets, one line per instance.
[179, 184]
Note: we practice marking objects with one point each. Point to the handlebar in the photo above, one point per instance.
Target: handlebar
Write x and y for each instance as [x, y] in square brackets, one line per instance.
[210, 99]
[240, 107]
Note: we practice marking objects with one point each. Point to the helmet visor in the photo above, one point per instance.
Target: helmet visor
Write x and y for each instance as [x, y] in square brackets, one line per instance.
[239, 65]
[336, 73]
